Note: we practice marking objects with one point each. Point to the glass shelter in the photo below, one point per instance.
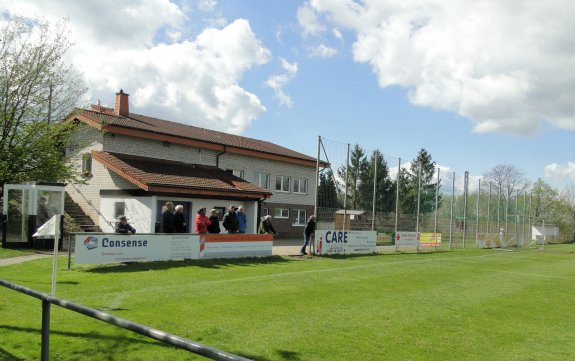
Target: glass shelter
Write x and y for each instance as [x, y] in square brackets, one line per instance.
[25, 208]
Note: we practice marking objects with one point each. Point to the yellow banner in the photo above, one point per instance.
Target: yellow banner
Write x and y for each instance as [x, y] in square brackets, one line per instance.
[430, 239]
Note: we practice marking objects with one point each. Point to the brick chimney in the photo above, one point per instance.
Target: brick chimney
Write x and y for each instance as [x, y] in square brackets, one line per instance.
[122, 106]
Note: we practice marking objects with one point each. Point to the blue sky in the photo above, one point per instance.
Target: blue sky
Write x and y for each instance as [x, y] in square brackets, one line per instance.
[477, 84]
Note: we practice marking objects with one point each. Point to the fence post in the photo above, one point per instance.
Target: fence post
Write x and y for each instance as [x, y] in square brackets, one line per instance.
[45, 352]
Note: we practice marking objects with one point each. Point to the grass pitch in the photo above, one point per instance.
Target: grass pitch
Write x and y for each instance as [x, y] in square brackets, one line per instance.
[459, 305]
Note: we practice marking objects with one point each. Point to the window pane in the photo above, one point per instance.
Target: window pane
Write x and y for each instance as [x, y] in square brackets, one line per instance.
[278, 183]
[287, 184]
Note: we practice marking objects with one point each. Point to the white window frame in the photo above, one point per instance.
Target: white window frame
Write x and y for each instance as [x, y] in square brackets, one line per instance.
[285, 188]
[279, 213]
[86, 164]
[258, 180]
[299, 182]
[298, 219]
[237, 172]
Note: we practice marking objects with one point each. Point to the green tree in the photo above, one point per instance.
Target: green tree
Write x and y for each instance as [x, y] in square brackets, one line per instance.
[419, 179]
[327, 191]
[36, 89]
[385, 188]
[357, 166]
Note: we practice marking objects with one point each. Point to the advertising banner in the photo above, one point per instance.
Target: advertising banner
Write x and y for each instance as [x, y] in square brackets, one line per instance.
[407, 239]
[430, 240]
[114, 248]
[235, 245]
[329, 242]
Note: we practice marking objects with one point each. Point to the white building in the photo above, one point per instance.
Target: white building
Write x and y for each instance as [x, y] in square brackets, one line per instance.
[133, 164]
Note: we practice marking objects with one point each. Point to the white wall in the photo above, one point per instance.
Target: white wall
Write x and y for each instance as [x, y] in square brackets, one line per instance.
[137, 209]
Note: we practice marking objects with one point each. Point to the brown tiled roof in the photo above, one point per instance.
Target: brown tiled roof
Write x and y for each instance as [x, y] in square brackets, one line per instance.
[107, 119]
[159, 175]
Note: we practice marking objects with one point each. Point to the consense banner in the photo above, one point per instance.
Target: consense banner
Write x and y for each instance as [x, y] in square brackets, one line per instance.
[331, 242]
[114, 248]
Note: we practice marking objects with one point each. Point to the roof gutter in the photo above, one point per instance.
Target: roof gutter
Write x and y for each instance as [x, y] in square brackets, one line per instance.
[218, 156]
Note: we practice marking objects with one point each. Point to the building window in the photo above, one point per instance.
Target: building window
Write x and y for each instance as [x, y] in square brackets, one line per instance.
[119, 209]
[299, 217]
[281, 213]
[300, 186]
[237, 172]
[86, 164]
[266, 211]
[262, 180]
[282, 183]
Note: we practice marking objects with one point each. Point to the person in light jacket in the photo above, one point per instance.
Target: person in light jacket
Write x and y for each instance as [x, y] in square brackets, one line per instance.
[242, 219]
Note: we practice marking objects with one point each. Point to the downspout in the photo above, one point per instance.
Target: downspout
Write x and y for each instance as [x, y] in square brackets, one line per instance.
[218, 156]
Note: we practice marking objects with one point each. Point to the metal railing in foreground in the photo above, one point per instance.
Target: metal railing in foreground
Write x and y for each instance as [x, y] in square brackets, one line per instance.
[162, 336]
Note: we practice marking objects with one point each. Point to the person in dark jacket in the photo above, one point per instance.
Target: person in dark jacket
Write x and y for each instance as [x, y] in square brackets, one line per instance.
[180, 225]
[123, 227]
[230, 221]
[214, 226]
[266, 226]
[307, 233]
[168, 219]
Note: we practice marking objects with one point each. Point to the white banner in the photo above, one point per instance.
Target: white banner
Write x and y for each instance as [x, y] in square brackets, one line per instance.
[236, 245]
[114, 248]
[407, 239]
[344, 242]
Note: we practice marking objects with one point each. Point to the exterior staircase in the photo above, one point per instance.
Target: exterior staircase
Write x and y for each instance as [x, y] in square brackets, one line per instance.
[77, 214]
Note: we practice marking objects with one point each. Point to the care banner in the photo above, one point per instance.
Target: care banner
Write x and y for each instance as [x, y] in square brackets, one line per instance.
[430, 240]
[407, 239]
[329, 242]
[114, 248]
[235, 245]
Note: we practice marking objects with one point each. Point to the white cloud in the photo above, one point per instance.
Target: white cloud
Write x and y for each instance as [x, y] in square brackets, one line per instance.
[560, 172]
[337, 34]
[505, 65]
[322, 51]
[142, 46]
[308, 20]
[207, 5]
[277, 82]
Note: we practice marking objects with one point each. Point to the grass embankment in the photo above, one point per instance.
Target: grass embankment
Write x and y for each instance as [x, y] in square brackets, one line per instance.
[460, 305]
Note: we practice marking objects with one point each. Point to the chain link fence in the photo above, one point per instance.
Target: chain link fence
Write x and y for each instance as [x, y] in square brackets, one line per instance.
[365, 189]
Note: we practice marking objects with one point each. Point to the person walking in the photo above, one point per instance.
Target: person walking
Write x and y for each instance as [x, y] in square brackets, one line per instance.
[167, 225]
[230, 222]
[202, 222]
[214, 226]
[266, 226]
[180, 225]
[123, 227]
[307, 233]
[242, 219]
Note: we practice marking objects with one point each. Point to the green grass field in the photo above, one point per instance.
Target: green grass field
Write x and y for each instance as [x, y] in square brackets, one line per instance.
[458, 305]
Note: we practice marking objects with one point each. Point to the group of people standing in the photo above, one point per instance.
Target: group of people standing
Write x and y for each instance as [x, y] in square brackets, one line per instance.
[173, 220]
[234, 221]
